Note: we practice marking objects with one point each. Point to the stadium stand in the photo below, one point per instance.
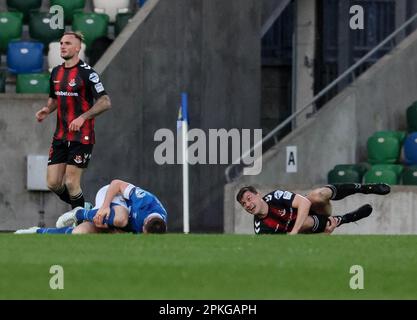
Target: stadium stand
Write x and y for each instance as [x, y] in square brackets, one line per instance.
[410, 149]
[29, 21]
[2, 82]
[39, 28]
[347, 173]
[25, 57]
[382, 174]
[11, 25]
[111, 8]
[141, 3]
[70, 8]
[54, 57]
[32, 83]
[384, 147]
[409, 176]
[122, 19]
[24, 6]
[92, 25]
[99, 46]
[343, 176]
[384, 154]
[412, 117]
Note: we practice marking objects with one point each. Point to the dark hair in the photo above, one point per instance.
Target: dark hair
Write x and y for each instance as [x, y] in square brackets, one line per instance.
[156, 225]
[243, 190]
[79, 35]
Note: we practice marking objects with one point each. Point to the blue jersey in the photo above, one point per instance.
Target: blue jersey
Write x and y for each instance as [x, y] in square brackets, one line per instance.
[141, 204]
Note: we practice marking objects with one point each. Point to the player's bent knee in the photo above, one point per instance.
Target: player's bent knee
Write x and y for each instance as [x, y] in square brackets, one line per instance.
[318, 196]
[72, 185]
[53, 185]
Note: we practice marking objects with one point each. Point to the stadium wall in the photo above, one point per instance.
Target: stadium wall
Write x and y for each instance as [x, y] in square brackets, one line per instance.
[22, 135]
[338, 133]
[208, 48]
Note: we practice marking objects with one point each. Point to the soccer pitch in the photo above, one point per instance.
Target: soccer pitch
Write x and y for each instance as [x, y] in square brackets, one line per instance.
[176, 266]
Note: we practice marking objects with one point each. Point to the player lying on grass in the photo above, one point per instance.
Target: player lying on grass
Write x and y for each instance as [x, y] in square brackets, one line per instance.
[120, 207]
[287, 212]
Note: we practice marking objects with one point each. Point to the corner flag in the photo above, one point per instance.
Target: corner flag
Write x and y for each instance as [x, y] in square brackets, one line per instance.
[182, 123]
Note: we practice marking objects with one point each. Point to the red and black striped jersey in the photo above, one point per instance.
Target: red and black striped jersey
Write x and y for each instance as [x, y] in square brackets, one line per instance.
[75, 90]
[281, 215]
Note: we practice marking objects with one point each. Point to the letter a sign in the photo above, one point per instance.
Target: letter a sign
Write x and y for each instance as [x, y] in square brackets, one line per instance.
[291, 159]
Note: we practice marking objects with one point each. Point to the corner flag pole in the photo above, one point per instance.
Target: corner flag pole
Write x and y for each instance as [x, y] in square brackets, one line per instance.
[185, 181]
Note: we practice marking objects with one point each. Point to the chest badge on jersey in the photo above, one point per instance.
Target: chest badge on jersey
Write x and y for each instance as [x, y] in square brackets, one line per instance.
[72, 83]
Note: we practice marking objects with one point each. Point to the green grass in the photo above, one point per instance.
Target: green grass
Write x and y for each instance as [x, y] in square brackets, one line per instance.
[176, 266]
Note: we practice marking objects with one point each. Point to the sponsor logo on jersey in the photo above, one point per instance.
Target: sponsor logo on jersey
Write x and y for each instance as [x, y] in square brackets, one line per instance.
[278, 194]
[94, 77]
[66, 94]
[99, 87]
[287, 195]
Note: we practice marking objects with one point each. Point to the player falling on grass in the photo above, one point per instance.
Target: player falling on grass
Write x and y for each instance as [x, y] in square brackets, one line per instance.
[120, 207]
[286, 212]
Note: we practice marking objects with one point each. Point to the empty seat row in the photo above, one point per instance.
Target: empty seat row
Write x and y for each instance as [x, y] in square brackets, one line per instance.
[92, 25]
[27, 56]
[71, 7]
[392, 174]
[386, 146]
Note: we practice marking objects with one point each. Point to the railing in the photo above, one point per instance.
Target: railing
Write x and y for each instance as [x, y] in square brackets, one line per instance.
[349, 72]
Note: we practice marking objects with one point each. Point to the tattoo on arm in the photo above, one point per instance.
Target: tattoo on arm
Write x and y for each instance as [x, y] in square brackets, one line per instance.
[51, 105]
[101, 105]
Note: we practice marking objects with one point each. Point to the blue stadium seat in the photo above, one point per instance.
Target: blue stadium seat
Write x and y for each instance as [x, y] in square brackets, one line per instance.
[141, 3]
[25, 57]
[410, 149]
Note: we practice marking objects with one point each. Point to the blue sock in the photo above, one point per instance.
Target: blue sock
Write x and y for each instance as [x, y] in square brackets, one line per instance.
[64, 230]
[88, 215]
[85, 215]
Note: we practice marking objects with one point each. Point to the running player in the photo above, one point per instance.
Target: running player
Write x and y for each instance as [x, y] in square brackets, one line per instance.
[286, 212]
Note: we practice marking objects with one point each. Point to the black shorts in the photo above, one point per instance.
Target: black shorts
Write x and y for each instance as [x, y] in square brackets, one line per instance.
[70, 152]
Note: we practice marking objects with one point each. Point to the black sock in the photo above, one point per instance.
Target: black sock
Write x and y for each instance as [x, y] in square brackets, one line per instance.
[341, 191]
[63, 194]
[77, 200]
